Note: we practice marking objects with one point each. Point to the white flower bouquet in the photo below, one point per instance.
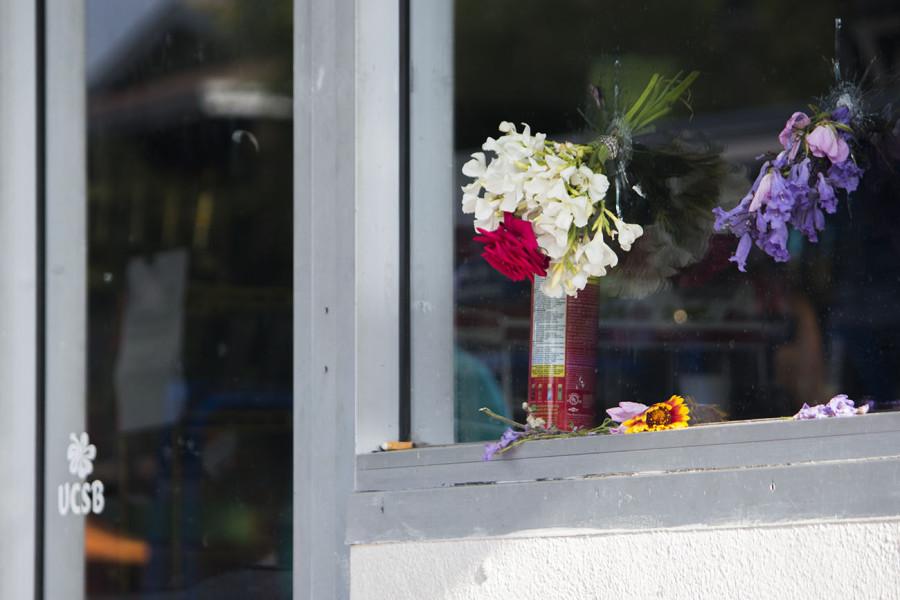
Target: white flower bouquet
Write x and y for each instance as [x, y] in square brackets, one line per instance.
[541, 207]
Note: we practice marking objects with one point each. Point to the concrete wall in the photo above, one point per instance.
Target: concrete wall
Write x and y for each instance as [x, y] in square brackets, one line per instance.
[810, 560]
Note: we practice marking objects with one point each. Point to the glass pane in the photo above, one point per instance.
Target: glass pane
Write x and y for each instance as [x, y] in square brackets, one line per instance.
[675, 316]
[189, 386]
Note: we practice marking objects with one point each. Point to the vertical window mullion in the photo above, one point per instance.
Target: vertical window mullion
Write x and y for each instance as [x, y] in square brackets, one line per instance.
[19, 291]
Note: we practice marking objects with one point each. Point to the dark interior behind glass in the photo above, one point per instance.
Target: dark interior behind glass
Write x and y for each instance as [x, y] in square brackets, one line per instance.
[190, 297]
[741, 346]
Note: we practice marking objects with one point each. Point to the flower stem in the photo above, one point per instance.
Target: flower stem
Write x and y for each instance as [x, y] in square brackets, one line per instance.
[488, 412]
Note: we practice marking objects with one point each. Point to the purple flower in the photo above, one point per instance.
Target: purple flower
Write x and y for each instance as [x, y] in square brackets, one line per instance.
[797, 184]
[738, 220]
[791, 192]
[491, 449]
[773, 235]
[842, 406]
[841, 115]
[625, 411]
[509, 436]
[798, 120]
[845, 175]
[763, 192]
[790, 135]
[784, 194]
[824, 141]
[782, 160]
[766, 226]
[798, 178]
[809, 220]
[810, 412]
[827, 198]
[839, 406]
[806, 216]
[741, 253]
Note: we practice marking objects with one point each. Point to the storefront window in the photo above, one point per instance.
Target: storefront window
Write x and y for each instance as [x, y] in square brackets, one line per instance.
[189, 283]
[675, 316]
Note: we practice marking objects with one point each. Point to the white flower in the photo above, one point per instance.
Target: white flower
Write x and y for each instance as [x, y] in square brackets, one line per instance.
[599, 186]
[505, 183]
[470, 197]
[581, 209]
[81, 454]
[598, 256]
[487, 215]
[575, 283]
[550, 186]
[476, 167]
[628, 233]
[590, 258]
[514, 146]
[552, 285]
[553, 241]
[502, 185]
[535, 422]
[581, 179]
[531, 420]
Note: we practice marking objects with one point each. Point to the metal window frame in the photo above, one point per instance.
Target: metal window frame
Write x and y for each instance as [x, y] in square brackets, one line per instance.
[20, 288]
[65, 281]
[432, 208]
[346, 350]
[328, 309]
[325, 301]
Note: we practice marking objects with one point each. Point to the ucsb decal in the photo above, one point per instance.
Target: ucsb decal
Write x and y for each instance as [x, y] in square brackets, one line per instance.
[81, 497]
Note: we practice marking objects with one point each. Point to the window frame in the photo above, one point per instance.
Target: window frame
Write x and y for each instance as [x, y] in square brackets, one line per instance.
[65, 285]
[327, 307]
[346, 260]
[324, 323]
[743, 472]
[20, 290]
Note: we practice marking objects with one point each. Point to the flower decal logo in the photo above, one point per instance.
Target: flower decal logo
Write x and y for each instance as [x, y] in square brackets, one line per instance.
[81, 454]
[80, 497]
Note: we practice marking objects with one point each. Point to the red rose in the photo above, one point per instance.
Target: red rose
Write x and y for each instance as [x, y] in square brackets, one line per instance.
[512, 249]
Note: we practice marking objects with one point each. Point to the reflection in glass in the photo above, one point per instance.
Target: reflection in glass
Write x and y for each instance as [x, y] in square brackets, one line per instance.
[190, 297]
[739, 345]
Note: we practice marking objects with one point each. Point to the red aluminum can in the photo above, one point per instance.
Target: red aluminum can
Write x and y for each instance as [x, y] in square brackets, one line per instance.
[562, 368]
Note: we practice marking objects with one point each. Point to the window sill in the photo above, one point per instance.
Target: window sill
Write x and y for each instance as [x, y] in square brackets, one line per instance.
[757, 471]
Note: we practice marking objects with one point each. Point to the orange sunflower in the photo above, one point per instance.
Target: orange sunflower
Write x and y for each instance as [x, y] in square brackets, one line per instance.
[671, 414]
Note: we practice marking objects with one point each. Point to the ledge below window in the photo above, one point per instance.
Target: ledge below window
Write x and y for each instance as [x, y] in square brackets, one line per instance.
[740, 472]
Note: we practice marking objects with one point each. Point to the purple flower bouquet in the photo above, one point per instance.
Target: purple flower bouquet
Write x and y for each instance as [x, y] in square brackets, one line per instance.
[797, 187]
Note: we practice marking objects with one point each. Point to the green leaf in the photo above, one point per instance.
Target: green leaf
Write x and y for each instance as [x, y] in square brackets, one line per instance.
[642, 98]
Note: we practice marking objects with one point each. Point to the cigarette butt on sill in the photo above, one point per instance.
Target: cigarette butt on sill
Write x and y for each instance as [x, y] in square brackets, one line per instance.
[396, 445]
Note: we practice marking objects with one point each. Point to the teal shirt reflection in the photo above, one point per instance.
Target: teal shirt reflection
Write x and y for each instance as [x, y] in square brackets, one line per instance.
[476, 386]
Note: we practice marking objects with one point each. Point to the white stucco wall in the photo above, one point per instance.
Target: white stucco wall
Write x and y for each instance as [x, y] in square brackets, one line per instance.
[813, 560]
